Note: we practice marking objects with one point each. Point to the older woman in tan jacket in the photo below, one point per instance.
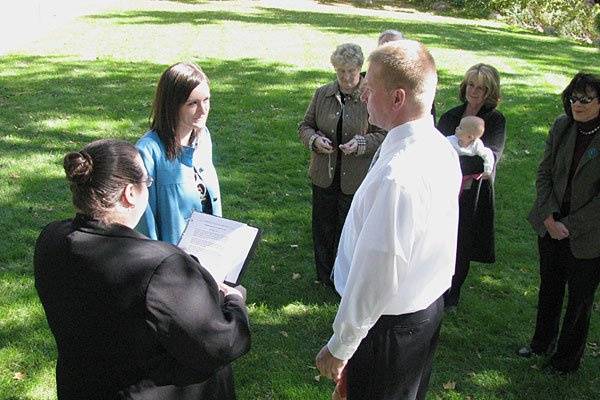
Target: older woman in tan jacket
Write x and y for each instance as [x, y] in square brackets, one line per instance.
[342, 143]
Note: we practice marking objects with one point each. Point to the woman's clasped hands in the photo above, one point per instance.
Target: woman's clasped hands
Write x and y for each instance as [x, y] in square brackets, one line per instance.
[323, 145]
[556, 229]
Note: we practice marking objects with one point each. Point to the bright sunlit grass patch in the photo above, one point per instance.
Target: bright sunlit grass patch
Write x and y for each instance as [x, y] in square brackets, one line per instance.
[94, 77]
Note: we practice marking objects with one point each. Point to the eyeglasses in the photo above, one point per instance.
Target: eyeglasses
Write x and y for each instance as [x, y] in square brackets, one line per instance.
[582, 99]
[148, 181]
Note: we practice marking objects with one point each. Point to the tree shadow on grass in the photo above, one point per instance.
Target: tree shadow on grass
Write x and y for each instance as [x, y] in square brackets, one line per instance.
[262, 165]
[551, 54]
[52, 105]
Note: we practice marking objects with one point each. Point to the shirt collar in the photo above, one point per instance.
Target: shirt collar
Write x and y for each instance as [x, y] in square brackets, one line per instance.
[85, 223]
[409, 130]
[333, 89]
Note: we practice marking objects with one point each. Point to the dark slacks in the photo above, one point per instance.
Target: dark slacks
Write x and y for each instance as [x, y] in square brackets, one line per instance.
[329, 210]
[559, 269]
[394, 360]
[464, 245]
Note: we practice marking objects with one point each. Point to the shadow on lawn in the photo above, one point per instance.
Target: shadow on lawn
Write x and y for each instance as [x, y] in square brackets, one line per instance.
[262, 167]
[260, 161]
[547, 53]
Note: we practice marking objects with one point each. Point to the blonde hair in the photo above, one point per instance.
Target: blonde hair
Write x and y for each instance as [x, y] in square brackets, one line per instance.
[489, 77]
[472, 124]
[407, 64]
[347, 54]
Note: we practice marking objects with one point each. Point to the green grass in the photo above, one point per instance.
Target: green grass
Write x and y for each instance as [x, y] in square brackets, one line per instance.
[94, 78]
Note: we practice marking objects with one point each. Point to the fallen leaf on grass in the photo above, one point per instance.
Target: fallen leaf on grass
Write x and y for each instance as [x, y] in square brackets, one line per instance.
[294, 246]
[295, 276]
[318, 378]
[450, 385]
[19, 376]
[284, 333]
[273, 268]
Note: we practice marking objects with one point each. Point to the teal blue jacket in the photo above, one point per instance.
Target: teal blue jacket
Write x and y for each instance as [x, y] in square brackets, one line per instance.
[174, 195]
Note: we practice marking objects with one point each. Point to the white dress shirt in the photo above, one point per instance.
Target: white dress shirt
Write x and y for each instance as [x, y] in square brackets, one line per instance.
[477, 148]
[398, 245]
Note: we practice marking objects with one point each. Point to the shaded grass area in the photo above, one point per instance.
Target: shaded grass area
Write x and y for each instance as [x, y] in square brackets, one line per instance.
[50, 105]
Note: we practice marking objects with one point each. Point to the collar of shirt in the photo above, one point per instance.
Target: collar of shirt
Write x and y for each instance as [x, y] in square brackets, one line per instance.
[412, 129]
[334, 89]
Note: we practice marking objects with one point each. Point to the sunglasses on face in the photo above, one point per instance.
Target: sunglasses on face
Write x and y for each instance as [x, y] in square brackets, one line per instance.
[581, 99]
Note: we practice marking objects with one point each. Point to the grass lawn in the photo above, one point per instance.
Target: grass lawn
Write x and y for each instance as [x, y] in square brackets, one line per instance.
[93, 77]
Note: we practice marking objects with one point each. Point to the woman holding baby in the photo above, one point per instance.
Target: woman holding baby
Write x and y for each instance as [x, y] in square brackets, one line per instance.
[480, 93]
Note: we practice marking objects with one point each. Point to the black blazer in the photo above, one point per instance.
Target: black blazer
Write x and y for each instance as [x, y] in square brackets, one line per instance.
[551, 183]
[133, 317]
[478, 206]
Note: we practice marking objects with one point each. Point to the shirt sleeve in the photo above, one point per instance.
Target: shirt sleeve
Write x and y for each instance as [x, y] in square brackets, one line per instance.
[212, 179]
[546, 200]
[307, 129]
[486, 154]
[147, 224]
[379, 265]
[202, 330]
[494, 137]
[373, 139]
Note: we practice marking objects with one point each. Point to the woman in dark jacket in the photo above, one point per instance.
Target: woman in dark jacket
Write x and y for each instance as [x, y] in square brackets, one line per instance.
[566, 216]
[480, 93]
[132, 317]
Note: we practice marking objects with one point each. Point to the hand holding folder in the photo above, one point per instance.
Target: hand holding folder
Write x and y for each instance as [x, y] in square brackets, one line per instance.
[222, 246]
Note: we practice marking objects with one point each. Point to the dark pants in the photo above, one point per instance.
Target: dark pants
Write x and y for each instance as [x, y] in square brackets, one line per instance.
[394, 360]
[464, 245]
[329, 210]
[560, 269]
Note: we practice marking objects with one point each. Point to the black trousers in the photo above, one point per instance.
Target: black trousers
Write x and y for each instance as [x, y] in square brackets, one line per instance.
[329, 210]
[559, 269]
[394, 360]
[464, 245]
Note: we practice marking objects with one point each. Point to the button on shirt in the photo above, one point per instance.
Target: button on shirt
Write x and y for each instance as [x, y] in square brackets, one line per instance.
[398, 245]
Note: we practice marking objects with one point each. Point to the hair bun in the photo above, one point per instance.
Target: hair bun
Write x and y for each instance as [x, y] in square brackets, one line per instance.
[78, 167]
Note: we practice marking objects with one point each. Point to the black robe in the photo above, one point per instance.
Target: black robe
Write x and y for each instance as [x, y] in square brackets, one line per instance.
[134, 317]
[476, 223]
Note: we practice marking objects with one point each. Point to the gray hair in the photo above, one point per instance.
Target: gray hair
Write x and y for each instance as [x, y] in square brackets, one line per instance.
[389, 35]
[347, 54]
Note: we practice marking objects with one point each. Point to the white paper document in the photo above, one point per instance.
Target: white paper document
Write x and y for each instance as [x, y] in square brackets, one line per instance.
[222, 246]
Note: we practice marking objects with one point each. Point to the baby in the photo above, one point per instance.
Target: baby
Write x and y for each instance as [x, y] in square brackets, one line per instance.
[467, 142]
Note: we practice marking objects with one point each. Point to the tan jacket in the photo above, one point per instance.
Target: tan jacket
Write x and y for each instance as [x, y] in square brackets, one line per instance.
[583, 221]
[322, 115]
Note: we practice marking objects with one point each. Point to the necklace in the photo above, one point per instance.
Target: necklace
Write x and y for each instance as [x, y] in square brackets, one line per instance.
[589, 132]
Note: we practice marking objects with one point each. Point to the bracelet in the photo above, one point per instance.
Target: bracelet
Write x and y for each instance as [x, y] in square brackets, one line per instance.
[311, 142]
[361, 141]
